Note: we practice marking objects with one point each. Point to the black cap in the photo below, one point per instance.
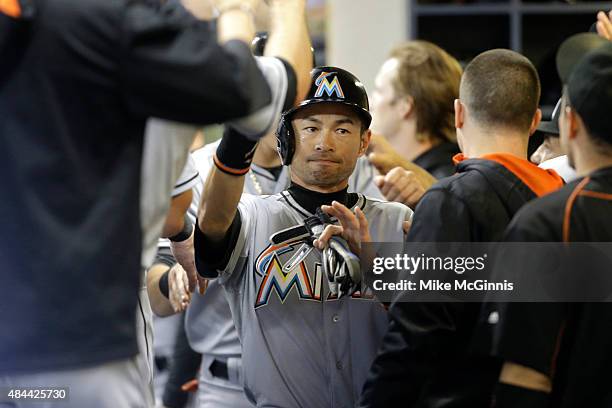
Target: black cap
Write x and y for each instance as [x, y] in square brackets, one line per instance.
[551, 126]
[336, 85]
[573, 50]
[587, 72]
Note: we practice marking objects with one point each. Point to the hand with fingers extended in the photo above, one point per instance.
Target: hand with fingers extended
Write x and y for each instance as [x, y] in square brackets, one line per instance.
[341, 248]
[401, 186]
[604, 24]
[178, 288]
[353, 227]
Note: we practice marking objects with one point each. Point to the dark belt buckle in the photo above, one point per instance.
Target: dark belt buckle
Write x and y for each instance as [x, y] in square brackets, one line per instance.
[218, 369]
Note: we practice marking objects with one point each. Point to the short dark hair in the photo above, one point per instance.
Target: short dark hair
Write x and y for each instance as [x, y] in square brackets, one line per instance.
[501, 88]
[601, 140]
[431, 77]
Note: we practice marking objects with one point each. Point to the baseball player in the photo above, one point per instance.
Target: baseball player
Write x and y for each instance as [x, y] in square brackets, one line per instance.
[301, 345]
[209, 323]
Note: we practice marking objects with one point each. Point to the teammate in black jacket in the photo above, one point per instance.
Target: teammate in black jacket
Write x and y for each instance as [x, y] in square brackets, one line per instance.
[565, 359]
[424, 360]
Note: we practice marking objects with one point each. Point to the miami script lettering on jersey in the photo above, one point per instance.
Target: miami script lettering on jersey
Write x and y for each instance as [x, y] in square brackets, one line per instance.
[271, 265]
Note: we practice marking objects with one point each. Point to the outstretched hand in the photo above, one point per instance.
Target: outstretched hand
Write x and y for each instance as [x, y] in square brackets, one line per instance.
[353, 227]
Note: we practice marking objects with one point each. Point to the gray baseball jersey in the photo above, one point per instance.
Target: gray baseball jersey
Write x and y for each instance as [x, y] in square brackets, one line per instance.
[209, 324]
[301, 346]
[167, 171]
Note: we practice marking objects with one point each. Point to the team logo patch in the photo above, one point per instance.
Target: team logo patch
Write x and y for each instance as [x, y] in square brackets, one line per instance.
[330, 88]
[283, 270]
[271, 264]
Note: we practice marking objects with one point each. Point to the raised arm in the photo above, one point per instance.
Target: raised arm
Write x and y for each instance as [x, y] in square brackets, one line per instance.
[218, 220]
[174, 66]
[224, 185]
[290, 41]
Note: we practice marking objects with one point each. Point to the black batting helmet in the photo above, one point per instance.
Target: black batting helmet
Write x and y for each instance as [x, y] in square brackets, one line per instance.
[328, 85]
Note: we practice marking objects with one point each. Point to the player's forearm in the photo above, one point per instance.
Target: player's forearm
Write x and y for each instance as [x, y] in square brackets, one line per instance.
[219, 203]
[175, 216]
[289, 40]
[160, 304]
[224, 184]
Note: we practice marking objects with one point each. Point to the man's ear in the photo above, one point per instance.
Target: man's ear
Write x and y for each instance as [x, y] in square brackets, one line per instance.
[574, 122]
[406, 106]
[535, 122]
[365, 142]
[459, 113]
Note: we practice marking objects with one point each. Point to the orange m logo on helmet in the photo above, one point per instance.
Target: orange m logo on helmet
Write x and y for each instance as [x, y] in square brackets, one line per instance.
[329, 88]
[11, 8]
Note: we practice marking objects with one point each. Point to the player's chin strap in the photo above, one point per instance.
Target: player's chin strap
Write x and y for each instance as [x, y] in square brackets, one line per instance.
[340, 265]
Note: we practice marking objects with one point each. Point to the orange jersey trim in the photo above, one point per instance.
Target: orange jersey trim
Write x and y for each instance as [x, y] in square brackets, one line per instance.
[567, 214]
[579, 191]
[540, 181]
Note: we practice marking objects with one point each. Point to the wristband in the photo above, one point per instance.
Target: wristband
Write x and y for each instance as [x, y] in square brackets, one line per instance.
[234, 153]
[164, 286]
[185, 232]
